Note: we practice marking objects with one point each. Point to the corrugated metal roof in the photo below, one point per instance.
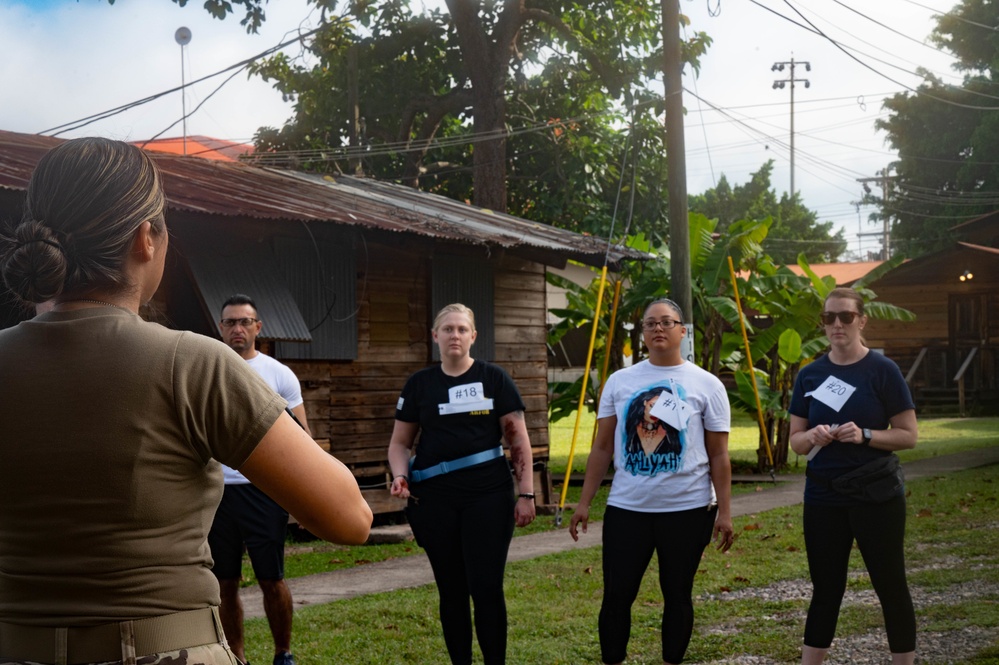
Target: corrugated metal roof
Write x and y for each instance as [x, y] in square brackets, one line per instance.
[240, 190]
[250, 271]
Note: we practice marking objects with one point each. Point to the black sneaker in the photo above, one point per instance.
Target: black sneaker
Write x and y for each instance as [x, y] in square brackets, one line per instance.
[284, 658]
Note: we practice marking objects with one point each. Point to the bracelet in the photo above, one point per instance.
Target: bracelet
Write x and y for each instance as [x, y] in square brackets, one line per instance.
[526, 495]
[404, 477]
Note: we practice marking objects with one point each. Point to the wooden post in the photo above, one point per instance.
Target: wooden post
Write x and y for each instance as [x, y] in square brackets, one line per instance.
[676, 164]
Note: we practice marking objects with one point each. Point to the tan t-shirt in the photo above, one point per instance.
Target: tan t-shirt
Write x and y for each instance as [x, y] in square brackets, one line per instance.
[110, 428]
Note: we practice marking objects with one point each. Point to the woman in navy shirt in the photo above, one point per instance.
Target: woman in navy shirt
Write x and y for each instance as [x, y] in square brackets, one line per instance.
[848, 408]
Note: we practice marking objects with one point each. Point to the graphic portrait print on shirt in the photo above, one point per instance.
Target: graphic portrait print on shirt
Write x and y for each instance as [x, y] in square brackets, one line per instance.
[651, 445]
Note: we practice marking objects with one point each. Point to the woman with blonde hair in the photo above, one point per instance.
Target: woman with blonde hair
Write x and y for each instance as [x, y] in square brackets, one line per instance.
[460, 493]
[852, 408]
[108, 497]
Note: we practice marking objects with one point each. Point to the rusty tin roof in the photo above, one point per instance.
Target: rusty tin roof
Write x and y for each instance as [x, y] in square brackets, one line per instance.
[232, 189]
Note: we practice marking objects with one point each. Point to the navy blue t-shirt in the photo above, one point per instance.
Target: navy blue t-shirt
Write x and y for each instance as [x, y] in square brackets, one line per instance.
[432, 399]
[881, 393]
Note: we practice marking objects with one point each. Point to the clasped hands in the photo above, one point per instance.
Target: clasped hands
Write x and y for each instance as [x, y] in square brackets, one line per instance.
[823, 435]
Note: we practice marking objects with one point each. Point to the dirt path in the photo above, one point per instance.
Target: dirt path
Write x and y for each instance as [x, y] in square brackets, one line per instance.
[414, 571]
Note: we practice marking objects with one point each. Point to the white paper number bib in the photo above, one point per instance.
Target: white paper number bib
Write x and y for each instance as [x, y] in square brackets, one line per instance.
[466, 398]
[671, 409]
[833, 393]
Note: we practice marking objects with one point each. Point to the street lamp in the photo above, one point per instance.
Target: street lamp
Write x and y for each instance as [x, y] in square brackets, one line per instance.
[779, 67]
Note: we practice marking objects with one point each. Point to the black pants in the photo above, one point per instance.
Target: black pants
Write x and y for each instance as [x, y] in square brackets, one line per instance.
[630, 538]
[879, 529]
[247, 515]
[467, 539]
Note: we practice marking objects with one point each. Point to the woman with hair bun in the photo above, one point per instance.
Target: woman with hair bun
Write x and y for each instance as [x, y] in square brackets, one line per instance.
[108, 498]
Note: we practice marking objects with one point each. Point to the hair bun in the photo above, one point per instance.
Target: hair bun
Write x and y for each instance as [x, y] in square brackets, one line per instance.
[33, 263]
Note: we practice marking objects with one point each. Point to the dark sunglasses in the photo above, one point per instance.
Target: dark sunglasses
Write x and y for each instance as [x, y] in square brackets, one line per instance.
[829, 318]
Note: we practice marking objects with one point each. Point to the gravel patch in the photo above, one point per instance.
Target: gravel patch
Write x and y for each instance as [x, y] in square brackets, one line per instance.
[946, 648]
[934, 648]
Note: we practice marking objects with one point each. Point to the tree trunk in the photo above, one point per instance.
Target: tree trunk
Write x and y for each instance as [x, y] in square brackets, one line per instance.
[487, 59]
[489, 153]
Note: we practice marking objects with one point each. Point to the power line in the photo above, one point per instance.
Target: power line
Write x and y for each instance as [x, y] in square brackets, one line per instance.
[954, 16]
[882, 74]
[83, 122]
[887, 27]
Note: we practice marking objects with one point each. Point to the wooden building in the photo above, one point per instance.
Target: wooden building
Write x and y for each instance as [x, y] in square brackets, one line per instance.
[347, 275]
[950, 353]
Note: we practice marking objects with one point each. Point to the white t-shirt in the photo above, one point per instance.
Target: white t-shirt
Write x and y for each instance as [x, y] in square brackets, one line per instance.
[282, 381]
[660, 462]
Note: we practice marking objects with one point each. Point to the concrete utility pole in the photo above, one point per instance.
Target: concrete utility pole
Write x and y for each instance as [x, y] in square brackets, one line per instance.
[779, 67]
[860, 230]
[885, 181]
[676, 166]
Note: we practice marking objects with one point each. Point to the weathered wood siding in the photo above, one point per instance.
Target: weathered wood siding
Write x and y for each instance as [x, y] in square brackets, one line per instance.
[352, 403]
[927, 301]
[955, 320]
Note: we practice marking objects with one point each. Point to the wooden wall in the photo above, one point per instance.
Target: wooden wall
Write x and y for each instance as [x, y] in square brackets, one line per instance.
[927, 301]
[352, 403]
[953, 317]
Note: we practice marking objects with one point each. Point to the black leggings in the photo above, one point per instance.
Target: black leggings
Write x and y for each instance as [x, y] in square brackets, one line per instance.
[467, 540]
[630, 538]
[879, 529]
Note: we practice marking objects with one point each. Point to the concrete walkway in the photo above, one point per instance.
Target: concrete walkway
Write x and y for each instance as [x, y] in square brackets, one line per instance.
[413, 571]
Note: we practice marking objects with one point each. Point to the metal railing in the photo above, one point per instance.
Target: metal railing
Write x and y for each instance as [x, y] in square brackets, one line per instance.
[915, 365]
[959, 377]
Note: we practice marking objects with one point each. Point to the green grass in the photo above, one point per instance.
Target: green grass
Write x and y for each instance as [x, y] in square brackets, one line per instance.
[743, 441]
[937, 437]
[952, 542]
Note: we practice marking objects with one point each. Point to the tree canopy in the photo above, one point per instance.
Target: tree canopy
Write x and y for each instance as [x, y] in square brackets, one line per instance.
[947, 136]
[794, 230]
[446, 97]
[778, 307]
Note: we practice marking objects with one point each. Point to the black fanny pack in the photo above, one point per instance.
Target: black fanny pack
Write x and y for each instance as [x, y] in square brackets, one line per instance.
[874, 482]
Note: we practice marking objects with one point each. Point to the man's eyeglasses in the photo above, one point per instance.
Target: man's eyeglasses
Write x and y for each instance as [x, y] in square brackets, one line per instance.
[829, 318]
[244, 323]
[667, 324]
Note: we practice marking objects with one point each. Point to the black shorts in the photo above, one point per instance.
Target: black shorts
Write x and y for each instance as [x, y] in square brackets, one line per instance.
[247, 516]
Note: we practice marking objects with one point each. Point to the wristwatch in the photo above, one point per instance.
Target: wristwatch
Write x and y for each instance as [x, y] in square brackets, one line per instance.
[867, 437]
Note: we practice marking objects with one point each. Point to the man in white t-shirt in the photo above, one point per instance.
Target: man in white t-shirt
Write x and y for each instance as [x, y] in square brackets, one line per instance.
[246, 516]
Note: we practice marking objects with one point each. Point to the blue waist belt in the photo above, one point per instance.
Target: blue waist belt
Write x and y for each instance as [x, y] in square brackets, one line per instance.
[455, 464]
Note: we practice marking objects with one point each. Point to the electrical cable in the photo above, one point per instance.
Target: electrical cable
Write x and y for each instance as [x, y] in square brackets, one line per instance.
[83, 122]
[700, 112]
[923, 93]
[955, 16]
[192, 111]
[888, 27]
[939, 76]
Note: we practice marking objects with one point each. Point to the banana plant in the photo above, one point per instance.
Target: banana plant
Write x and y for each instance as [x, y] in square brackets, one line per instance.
[779, 309]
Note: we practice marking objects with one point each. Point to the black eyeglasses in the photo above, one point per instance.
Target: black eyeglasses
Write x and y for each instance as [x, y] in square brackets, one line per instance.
[245, 323]
[667, 324]
[829, 318]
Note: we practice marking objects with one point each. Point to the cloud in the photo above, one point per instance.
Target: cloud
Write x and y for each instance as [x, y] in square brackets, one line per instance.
[68, 60]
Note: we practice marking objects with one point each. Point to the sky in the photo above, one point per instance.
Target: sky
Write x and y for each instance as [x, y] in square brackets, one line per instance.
[70, 59]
